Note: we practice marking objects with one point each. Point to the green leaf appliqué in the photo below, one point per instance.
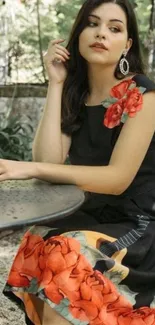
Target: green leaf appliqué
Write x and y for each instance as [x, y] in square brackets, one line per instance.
[124, 117]
[109, 101]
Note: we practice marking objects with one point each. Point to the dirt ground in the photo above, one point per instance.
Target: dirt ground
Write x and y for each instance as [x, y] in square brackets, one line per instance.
[10, 314]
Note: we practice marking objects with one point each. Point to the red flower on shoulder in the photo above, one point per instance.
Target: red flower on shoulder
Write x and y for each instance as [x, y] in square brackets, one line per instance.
[133, 103]
[113, 114]
[126, 100]
[120, 90]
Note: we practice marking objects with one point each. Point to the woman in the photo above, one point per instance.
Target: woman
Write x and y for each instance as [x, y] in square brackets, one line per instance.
[99, 266]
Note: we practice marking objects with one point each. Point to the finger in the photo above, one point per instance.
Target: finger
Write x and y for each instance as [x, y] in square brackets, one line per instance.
[44, 53]
[3, 177]
[60, 52]
[62, 48]
[53, 42]
[59, 57]
[2, 170]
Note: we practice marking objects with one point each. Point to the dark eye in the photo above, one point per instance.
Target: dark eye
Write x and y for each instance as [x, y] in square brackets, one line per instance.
[91, 24]
[115, 29]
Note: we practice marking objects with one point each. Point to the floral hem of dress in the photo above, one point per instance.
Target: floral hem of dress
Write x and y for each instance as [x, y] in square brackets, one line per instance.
[56, 271]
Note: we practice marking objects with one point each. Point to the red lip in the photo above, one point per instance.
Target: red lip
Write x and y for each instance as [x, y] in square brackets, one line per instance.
[99, 45]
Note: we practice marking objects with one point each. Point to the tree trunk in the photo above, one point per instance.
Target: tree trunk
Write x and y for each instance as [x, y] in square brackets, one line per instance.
[152, 47]
[39, 39]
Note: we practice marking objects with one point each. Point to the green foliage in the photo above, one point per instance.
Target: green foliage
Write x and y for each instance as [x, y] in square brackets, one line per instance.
[143, 11]
[66, 9]
[16, 138]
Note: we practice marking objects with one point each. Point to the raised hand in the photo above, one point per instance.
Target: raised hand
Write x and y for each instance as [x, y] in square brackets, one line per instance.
[54, 60]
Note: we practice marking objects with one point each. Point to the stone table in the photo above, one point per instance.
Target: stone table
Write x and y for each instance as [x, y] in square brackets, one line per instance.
[28, 202]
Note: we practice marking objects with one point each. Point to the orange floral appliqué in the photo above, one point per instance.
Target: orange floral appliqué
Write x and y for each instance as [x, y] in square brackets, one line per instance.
[119, 90]
[62, 272]
[26, 264]
[125, 100]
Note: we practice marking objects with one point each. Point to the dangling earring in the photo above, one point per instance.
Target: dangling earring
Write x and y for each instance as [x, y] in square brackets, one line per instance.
[124, 65]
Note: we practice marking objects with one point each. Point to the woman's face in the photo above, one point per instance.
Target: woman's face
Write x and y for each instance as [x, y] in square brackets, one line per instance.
[107, 25]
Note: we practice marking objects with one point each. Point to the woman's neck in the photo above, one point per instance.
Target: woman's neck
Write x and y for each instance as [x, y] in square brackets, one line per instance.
[100, 85]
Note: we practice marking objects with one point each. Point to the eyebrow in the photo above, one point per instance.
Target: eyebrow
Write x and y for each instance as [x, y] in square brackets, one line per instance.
[111, 20]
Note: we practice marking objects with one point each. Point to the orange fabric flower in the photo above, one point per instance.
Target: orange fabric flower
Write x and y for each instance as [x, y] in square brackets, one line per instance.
[133, 103]
[26, 266]
[119, 90]
[113, 114]
[63, 268]
[65, 273]
[129, 103]
[99, 300]
[141, 316]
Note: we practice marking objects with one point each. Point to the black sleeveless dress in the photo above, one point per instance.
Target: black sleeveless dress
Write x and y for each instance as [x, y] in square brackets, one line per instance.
[98, 267]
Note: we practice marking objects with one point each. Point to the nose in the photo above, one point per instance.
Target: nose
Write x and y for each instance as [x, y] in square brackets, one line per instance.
[101, 32]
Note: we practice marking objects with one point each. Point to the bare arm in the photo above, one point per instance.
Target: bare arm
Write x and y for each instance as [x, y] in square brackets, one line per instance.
[50, 144]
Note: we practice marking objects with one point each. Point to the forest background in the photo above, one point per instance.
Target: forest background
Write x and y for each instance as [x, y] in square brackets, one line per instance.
[27, 26]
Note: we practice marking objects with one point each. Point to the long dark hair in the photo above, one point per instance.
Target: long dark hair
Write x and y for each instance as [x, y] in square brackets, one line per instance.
[76, 84]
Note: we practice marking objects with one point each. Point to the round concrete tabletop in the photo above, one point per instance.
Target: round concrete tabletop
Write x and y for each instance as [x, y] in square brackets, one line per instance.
[27, 202]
